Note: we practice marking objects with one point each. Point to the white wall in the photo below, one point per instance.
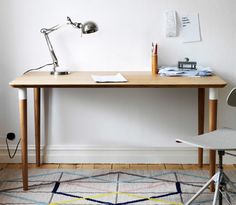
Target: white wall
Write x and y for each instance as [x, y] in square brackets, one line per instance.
[113, 125]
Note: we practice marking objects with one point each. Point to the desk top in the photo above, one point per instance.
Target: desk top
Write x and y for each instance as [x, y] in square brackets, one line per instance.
[135, 79]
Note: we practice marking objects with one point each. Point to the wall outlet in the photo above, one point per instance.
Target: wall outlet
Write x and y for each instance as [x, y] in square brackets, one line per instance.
[11, 136]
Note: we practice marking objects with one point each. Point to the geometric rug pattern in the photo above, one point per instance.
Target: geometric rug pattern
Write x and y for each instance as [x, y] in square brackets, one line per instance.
[109, 187]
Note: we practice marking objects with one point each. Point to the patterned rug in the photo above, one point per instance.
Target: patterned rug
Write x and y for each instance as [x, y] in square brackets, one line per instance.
[90, 187]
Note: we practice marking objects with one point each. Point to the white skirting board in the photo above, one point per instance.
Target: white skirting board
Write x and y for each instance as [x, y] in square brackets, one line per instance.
[79, 154]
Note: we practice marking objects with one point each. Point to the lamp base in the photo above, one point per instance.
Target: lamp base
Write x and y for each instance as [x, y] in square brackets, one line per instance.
[59, 72]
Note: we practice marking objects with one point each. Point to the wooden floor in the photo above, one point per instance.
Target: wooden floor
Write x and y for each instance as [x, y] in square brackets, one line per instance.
[118, 166]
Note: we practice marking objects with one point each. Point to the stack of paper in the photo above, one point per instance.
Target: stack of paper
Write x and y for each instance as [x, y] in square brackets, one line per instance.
[204, 71]
[174, 71]
[118, 78]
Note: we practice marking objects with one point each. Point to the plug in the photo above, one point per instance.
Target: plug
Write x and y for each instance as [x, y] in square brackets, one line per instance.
[11, 136]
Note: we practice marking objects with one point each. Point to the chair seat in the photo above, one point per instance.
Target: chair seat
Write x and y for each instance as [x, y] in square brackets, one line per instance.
[221, 139]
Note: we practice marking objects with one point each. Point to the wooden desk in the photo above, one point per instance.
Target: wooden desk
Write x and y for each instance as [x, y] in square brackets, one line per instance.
[39, 80]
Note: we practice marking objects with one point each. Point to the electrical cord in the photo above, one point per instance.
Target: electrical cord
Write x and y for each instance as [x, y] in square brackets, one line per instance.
[37, 68]
[8, 150]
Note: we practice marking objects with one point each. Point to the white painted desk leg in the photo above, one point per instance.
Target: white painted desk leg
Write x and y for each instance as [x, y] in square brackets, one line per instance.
[37, 124]
[213, 98]
[23, 134]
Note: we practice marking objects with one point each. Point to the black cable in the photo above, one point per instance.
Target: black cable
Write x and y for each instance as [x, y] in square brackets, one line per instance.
[234, 155]
[8, 150]
[37, 68]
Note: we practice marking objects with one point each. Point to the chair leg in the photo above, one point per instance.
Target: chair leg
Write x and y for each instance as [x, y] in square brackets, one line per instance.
[223, 189]
[215, 178]
[217, 190]
[229, 182]
[225, 193]
[221, 180]
[227, 197]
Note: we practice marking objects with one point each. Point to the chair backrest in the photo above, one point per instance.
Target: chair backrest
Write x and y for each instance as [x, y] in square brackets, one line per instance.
[231, 99]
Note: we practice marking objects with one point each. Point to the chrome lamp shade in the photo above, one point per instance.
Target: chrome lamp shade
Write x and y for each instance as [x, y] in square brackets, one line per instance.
[89, 27]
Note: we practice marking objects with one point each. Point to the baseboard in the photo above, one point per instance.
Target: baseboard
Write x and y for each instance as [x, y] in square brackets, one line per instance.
[119, 155]
[91, 154]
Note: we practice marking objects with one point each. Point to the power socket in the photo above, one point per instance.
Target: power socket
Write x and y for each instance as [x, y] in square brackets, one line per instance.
[11, 136]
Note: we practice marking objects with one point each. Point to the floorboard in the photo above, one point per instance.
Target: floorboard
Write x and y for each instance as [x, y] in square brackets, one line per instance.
[116, 166]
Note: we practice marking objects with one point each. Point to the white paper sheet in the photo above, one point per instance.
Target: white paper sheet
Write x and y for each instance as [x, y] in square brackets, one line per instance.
[191, 28]
[118, 78]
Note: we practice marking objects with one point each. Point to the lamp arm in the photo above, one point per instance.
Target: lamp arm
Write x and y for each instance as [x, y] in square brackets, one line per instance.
[51, 50]
[47, 31]
[54, 28]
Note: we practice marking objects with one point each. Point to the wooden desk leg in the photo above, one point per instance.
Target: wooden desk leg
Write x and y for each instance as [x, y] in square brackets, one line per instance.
[23, 134]
[37, 124]
[213, 98]
[201, 113]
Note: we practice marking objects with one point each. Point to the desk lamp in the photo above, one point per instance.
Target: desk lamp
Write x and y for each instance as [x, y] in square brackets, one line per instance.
[88, 27]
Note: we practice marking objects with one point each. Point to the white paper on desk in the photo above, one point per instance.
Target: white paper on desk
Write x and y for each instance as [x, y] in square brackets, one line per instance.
[191, 28]
[118, 78]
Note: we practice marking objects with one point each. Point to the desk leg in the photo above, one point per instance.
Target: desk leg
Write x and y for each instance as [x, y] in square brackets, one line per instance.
[213, 98]
[23, 134]
[37, 124]
[201, 113]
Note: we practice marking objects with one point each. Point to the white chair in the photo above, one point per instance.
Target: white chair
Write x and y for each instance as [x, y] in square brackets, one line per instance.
[221, 140]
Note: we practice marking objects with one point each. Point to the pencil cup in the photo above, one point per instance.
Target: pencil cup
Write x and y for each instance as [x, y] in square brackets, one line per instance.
[154, 64]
